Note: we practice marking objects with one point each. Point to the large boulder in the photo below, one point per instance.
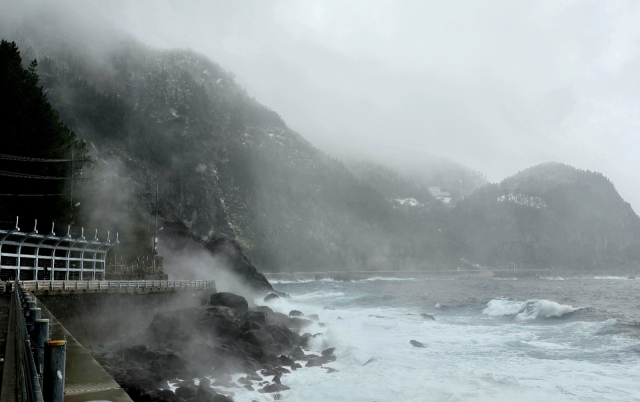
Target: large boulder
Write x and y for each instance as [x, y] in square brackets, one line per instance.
[233, 301]
[164, 327]
[280, 334]
[257, 338]
[259, 317]
[219, 321]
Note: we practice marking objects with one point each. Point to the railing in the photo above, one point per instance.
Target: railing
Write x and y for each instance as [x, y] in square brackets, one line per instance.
[27, 377]
[105, 285]
[30, 255]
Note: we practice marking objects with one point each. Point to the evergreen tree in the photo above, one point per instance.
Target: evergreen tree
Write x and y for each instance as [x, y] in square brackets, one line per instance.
[31, 128]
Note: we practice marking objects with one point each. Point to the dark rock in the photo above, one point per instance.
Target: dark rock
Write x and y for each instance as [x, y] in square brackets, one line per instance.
[269, 359]
[271, 296]
[416, 344]
[295, 313]
[280, 334]
[221, 398]
[233, 301]
[282, 370]
[249, 387]
[254, 377]
[328, 308]
[331, 370]
[205, 383]
[427, 316]
[339, 318]
[274, 388]
[297, 353]
[186, 392]
[219, 321]
[249, 325]
[276, 380]
[286, 361]
[341, 278]
[299, 323]
[255, 351]
[328, 352]
[163, 395]
[313, 317]
[257, 338]
[321, 324]
[259, 317]
[632, 277]
[314, 362]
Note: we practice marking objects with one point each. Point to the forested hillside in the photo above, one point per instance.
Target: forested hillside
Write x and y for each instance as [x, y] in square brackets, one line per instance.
[228, 167]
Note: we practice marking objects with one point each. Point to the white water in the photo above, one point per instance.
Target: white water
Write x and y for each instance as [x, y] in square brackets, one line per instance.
[510, 351]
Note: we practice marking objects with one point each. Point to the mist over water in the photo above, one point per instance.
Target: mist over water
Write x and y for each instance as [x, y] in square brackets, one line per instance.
[518, 340]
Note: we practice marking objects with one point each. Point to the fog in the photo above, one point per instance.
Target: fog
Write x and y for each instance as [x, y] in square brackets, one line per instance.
[496, 85]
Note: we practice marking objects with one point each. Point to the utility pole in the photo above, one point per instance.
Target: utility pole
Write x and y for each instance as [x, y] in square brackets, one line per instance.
[72, 172]
[155, 239]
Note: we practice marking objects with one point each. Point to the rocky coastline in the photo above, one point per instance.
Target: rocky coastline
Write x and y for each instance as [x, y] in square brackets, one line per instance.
[194, 354]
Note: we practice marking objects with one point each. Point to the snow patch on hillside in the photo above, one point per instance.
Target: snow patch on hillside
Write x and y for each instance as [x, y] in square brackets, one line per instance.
[440, 194]
[525, 200]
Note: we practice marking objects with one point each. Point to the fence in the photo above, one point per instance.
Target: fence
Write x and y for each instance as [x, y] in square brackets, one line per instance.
[105, 285]
[128, 264]
[30, 255]
[28, 381]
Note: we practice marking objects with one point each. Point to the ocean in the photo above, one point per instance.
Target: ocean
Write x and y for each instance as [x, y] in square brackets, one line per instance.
[492, 340]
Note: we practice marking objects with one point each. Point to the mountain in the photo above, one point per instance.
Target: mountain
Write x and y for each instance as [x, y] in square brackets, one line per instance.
[551, 215]
[227, 167]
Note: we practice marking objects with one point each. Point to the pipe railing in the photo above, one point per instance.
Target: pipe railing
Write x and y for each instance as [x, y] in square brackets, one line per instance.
[26, 376]
[105, 285]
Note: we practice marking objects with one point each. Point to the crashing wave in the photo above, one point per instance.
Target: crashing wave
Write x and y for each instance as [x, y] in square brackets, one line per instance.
[529, 310]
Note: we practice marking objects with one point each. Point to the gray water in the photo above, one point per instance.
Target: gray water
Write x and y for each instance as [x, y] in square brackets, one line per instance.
[493, 340]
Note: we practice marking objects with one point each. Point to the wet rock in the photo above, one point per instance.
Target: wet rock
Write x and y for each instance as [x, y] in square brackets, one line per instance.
[274, 388]
[271, 296]
[328, 352]
[314, 362]
[299, 323]
[313, 317]
[259, 317]
[297, 353]
[276, 380]
[416, 344]
[428, 316]
[249, 387]
[631, 277]
[331, 370]
[270, 359]
[205, 383]
[339, 318]
[185, 392]
[295, 313]
[321, 324]
[233, 301]
[280, 334]
[254, 377]
[219, 321]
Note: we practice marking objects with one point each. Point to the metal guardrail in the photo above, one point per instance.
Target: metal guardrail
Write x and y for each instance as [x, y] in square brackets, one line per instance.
[27, 377]
[106, 285]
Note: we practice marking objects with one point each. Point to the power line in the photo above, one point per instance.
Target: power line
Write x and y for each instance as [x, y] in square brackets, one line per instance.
[34, 176]
[30, 195]
[29, 159]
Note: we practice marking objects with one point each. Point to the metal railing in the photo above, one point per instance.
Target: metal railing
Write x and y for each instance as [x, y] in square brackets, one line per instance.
[105, 285]
[27, 377]
[30, 255]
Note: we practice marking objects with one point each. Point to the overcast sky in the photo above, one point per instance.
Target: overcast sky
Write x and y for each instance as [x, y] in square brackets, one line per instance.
[495, 85]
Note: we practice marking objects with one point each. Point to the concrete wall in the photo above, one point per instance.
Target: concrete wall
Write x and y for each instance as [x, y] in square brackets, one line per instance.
[96, 318]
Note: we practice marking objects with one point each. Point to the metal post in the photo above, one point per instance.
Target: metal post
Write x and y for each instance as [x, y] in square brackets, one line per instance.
[34, 314]
[53, 374]
[40, 336]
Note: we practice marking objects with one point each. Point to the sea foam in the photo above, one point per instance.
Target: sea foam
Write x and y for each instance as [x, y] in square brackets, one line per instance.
[529, 310]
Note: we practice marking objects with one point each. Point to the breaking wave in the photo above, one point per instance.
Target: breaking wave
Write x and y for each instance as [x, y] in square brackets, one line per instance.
[529, 310]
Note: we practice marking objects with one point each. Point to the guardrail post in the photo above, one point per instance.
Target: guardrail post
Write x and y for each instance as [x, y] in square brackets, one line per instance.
[40, 336]
[53, 376]
[34, 314]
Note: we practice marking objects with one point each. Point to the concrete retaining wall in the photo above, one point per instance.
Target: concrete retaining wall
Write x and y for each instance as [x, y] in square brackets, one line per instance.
[96, 318]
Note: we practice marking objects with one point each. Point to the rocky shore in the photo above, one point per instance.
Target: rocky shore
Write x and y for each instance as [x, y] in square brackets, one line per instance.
[194, 354]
